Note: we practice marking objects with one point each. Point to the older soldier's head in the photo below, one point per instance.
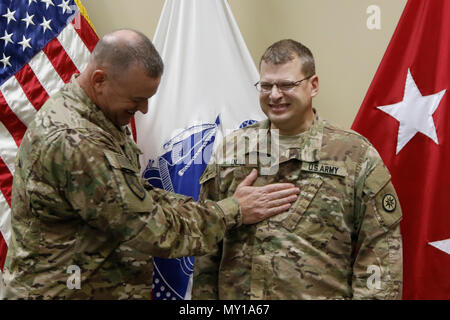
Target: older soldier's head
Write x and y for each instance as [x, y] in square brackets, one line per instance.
[124, 71]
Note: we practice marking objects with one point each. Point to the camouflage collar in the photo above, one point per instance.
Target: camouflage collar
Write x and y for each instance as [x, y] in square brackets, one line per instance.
[89, 110]
[308, 146]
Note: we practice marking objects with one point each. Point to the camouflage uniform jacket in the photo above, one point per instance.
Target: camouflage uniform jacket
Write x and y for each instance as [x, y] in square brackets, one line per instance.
[78, 200]
[340, 239]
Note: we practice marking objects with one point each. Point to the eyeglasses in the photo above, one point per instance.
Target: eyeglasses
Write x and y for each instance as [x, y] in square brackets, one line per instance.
[283, 86]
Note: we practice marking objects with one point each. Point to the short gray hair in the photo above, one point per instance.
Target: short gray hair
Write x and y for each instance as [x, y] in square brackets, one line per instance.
[119, 52]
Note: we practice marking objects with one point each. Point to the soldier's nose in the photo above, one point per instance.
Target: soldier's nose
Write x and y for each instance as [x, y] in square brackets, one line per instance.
[275, 93]
[143, 106]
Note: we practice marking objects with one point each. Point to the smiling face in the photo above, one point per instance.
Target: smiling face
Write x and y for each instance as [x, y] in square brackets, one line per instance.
[120, 97]
[290, 112]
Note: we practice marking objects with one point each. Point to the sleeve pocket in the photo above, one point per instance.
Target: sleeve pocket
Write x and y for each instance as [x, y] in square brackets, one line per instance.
[129, 183]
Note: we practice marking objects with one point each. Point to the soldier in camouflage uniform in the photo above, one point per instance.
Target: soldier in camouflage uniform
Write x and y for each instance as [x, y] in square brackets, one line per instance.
[79, 204]
[341, 238]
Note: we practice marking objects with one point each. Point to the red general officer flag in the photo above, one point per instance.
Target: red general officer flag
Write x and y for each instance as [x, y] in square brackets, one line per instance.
[406, 116]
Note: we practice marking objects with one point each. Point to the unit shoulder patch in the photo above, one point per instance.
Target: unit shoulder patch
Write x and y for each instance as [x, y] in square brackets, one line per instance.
[389, 202]
[134, 185]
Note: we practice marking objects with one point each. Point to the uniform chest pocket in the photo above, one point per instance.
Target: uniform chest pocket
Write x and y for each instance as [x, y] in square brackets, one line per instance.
[312, 217]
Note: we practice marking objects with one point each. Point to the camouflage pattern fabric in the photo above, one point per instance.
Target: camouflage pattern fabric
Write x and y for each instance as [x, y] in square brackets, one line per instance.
[78, 200]
[340, 240]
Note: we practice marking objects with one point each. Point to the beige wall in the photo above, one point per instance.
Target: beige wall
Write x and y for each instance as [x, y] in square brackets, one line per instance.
[347, 53]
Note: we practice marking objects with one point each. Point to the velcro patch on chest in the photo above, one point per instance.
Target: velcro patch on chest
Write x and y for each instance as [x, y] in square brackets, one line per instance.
[323, 168]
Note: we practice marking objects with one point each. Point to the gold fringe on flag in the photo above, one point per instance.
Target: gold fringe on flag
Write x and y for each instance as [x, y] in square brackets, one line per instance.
[84, 13]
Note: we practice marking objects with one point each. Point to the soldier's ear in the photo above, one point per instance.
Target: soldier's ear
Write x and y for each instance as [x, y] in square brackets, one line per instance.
[314, 86]
[98, 78]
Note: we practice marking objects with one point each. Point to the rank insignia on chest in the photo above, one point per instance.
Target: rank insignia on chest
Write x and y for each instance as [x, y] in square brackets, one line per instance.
[236, 163]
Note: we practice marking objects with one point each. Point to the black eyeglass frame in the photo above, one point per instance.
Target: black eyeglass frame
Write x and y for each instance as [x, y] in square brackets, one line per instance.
[292, 85]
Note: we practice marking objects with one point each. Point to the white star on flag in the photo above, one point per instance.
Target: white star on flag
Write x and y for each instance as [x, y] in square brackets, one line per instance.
[46, 24]
[28, 20]
[5, 61]
[415, 113]
[25, 43]
[10, 15]
[65, 6]
[443, 245]
[47, 3]
[7, 38]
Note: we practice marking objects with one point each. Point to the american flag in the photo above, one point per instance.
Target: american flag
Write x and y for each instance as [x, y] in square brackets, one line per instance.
[42, 44]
